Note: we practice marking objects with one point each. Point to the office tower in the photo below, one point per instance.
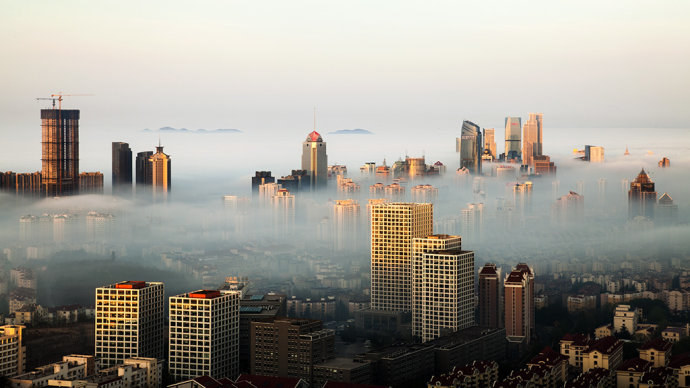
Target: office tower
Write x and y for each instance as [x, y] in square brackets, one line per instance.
[490, 142]
[260, 178]
[522, 196]
[315, 160]
[129, 321]
[472, 222]
[421, 246]
[490, 296]
[666, 212]
[204, 334]
[371, 203]
[300, 180]
[664, 162]
[290, 347]
[568, 209]
[60, 154]
[594, 154]
[470, 147]
[122, 168]
[416, 167]
[442, 286]
[13, 350]
[267, 191]
[424, 193]
[91, 183]
[346, 220]
[519, 306]
[393, 226]
[283, 204]
[543, 165]
[532, 138]
[144, 175]
[641, 197]
[160, 173]
[513, 146]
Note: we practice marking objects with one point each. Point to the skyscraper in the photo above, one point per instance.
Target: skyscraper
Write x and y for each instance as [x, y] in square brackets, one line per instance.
[490, 142]
[472, 221]
[490, 312]
[129, 321]
[60, 153]
[260, 178]
[204, 334]
[666, 212]
[346, 220]
[13, 350]
[594, 154]
[283, 204]
[442, 286]
[470, 147]
[315, 160]
[641, 197]
[519, 306]
[513, 146]
[143, 171]
[532, 138]
[393, 226]
[568, 209]
[91, 183]
[122, 168]
[160, 173]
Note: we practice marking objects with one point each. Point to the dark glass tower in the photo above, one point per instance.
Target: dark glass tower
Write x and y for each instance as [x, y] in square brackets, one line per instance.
[641, 197]
[144, 170]
[60, 152]
[122, 168]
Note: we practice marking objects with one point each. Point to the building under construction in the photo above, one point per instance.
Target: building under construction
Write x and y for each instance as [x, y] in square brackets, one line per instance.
[60, 152]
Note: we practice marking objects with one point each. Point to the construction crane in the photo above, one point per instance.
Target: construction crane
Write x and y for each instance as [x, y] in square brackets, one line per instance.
[59, 98]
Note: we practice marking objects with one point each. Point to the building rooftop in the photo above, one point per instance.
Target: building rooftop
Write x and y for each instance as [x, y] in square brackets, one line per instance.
[657, 344]
[205, 294]
[578, 339]
[634, 365]
[131, 284]
[606, 345]
[269, 381]
[488, 269]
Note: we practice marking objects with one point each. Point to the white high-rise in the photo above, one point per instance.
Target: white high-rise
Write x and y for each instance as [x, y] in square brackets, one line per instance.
[204, 334]
[129, 321]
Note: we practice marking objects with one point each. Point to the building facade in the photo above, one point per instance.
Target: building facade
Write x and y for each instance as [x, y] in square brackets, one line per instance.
[122, 168]
[470, 147]
[204, 334]
[513, 140]
[129, 321]
[393, 227]
[315, 160]
[490, 296]
[12, 350]
[60, 152]
[91, 183]
[641, 197]
[532, 138]
[160, 174]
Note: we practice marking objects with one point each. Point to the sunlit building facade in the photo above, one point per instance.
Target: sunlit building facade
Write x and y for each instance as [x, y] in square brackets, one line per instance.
[160, 173]
[60, 152]
[315, 160]
[129, 321]
[513, 140]
[470, 147]
[641, 197]
[532, 138]
[490, 297]
[393, 227]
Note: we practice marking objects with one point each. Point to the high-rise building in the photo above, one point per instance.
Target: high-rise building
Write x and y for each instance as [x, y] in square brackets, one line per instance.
[472, 222]
[470, 147]
[144, 175]
[346, 220]
[315, 160]
[522, 196]
[160, 173]
[641, 197]
[60, 154]
[490, 298]
[664, 162]
[12, 350]
[290, 347]
[519, 306]
[29, 184]
[91, 183]
[204, 334]
[568, 209]
[260, 178]
[129, 321]
[532, 138]
[420, 246]
[393, 227]
[490, 142]
[594, 154]
[424, 193]
[122, 168]
[513, 146]
[267, 191]
[442, 286]
[283, 204]
[666, 212]
[543, 165]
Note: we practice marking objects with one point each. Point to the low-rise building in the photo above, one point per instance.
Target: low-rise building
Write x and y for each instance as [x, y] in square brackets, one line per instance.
[72, 367]
[12, 350]
[477, 374]
[573, 346]
[345, 370]
[661, 377]
[603, 331]
[577, 303]
[674, 333]
[656, 351]
[629, 372]
[604, 353]
[594, 378]
[625, 318]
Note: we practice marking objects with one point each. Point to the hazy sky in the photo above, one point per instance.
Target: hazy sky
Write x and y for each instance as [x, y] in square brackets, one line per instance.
[391, 67]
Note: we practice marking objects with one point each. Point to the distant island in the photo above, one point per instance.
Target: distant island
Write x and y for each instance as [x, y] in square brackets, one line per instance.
[185, 130]
[357, 131]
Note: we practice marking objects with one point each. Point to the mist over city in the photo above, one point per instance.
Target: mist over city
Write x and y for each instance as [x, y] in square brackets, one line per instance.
[345, 195]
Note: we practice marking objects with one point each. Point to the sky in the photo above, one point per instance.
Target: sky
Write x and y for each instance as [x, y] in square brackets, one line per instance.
[405, 70]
